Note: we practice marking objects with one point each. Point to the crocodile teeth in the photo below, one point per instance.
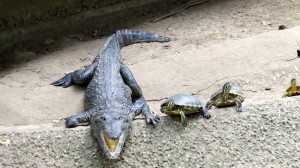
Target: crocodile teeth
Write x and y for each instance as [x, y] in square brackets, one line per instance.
[111, 144]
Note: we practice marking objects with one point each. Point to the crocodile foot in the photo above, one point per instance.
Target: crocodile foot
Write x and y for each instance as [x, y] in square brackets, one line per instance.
[150, 118]
[153, 119]
[65, 81]
[71, 122]
[79, 119]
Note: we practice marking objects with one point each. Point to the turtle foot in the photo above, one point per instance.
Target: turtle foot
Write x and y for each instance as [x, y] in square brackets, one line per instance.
[207, 115]
[184, 122]
[238, 109]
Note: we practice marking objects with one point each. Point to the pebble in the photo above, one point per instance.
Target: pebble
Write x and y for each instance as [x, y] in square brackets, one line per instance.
[278, 75]
[48, 42]
[295, 67]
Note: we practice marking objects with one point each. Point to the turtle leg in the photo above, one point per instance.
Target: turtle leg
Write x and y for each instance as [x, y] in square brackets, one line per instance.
[238, 104]
[286, 94]
[81, 76]
[209, 104]
[183, 118]
[206, 114]
[74, 120]
[139, 102]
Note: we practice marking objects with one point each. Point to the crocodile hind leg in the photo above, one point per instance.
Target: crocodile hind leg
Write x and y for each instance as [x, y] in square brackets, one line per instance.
[81, 76]
[139, 102]
[77, 119]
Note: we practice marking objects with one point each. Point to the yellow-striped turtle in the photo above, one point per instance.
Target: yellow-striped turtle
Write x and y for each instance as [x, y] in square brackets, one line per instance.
[228, 95]
[293, 90]
[182, 104]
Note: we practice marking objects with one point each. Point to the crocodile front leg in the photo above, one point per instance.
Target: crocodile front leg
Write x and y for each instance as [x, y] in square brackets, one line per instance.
[75, 120]
[79, 77]
[139, 102]
[140, 106]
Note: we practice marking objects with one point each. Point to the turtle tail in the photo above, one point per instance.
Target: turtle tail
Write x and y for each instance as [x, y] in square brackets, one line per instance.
[128, 36]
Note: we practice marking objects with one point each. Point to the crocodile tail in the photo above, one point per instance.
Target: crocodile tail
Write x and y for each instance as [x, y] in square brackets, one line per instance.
[127, 37]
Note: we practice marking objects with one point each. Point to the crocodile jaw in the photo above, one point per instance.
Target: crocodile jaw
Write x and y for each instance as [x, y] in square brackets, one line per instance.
[111, 145]
[112, 148]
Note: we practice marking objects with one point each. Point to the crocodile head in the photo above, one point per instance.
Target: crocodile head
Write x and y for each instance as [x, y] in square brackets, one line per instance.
[111, 130]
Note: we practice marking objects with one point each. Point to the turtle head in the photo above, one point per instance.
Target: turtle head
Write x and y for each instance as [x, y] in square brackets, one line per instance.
[226, 89]
[166, 106]
[293, 82]
[111, 130]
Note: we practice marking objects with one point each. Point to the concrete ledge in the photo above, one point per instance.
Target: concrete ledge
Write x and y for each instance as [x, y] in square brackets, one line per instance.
[264, 134]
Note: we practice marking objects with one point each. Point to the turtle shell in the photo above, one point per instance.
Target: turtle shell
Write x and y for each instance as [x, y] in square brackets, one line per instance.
[185, 101]
[234, 92]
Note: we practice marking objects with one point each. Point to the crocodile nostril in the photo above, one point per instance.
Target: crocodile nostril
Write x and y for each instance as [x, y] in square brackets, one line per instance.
[118, 118]
[114, 137]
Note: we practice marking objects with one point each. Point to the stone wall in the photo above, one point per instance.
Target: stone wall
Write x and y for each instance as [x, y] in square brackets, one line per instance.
[25, 24]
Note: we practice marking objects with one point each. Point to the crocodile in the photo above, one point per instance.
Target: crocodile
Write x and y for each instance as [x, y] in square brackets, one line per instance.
[112, 98]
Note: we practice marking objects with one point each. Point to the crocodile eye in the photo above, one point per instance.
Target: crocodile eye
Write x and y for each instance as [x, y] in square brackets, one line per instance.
[103, 118]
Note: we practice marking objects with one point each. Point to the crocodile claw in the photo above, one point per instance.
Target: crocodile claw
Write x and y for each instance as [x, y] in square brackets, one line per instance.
[153, 119]
[150, 118]
[65, 81]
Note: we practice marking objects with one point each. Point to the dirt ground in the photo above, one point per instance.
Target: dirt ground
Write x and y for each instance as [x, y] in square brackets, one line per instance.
[216, 42]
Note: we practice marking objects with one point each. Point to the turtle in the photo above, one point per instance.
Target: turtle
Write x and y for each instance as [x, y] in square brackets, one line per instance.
[181, 104]
[228, 95]
[293, 90]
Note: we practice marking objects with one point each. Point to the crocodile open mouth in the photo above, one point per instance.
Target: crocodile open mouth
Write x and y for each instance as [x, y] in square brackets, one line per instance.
[111, 144]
